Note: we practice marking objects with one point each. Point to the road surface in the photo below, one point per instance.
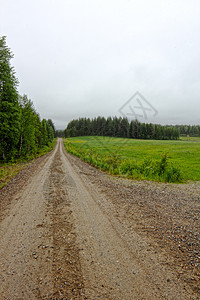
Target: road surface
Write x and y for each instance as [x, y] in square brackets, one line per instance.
[60, 240]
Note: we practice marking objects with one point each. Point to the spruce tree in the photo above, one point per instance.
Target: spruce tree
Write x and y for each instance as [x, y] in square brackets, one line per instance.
[9, 105]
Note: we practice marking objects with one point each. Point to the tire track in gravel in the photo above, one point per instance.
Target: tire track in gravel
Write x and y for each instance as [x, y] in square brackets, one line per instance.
[38, 255]
[66, 269]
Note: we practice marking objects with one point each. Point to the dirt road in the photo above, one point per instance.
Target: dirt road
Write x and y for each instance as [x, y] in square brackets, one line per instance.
[62, 236]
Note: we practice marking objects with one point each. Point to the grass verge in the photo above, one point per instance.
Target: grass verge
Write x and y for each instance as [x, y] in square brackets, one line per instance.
[11, 169]
[108, 159]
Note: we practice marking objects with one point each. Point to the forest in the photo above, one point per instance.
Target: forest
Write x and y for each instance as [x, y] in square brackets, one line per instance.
[120, 127]
[22, 132]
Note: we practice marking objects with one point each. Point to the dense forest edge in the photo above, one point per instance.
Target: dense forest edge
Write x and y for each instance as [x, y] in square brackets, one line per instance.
[123, 128]
[23, 135]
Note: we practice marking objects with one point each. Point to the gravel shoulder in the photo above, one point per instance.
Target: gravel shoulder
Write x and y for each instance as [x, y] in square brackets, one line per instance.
[70, 231]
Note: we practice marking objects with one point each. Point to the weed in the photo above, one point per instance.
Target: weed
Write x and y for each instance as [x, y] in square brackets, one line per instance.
[11, 169]
[150, 169]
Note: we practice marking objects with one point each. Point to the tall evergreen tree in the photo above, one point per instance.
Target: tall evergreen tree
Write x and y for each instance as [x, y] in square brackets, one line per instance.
[9, 105]
[44, 133]
[136, 129]
[27, 141]
[50, 122]
[124, 132]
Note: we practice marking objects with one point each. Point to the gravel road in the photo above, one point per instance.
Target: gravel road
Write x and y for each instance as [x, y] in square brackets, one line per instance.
[69, 231]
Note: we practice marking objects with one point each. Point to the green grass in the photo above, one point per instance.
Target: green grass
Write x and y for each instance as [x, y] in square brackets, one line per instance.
[183, 154]
[11, 169]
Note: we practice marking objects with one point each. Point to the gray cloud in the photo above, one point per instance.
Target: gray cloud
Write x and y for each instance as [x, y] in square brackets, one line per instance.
[86, 58]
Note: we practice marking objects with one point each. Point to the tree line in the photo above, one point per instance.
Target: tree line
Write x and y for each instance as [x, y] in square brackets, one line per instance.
[120, 127]
[189, 130]
[22, 132]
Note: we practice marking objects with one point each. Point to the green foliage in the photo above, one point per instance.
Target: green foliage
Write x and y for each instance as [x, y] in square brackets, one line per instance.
[120, 127]
[51, 128]
[9, 106]
[27, 141]
[150, 169]
[11, 169]
[161, 170]
[60, 133]
[22, 133]
[139, 158]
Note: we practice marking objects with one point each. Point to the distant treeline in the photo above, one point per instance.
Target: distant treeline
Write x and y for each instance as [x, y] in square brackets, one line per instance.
[189, 130]
[60, 133]
[21, 130]
[120, 127]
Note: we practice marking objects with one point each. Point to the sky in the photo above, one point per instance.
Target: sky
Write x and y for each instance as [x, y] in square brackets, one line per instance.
[83, 58]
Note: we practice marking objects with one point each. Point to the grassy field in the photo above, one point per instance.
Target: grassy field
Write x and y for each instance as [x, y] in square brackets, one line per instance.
[183, 154]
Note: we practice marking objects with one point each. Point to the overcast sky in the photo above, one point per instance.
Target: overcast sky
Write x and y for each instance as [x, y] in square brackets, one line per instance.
[84, 58]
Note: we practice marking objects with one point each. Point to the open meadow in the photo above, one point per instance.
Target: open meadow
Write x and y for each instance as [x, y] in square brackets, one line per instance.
[133, 155]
